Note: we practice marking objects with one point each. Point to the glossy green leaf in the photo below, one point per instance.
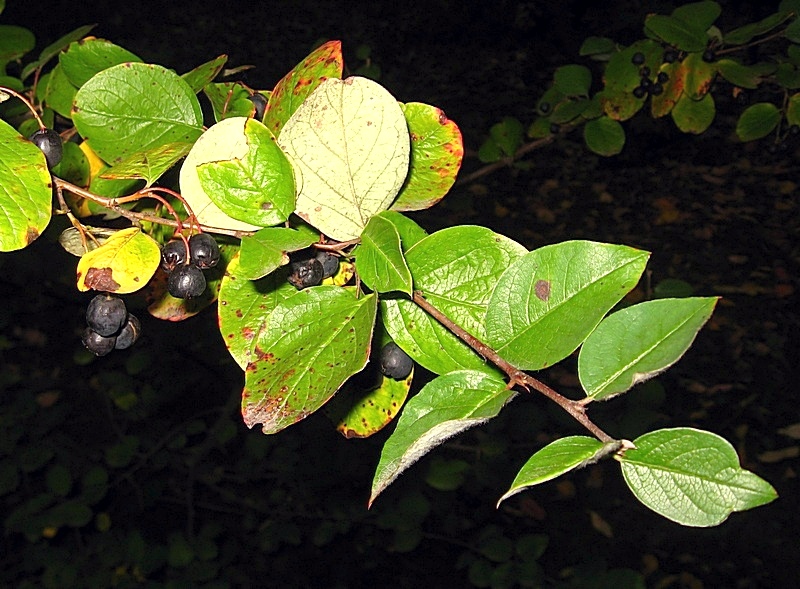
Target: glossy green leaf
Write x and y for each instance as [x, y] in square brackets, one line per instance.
[437, 150]
[555, 459]
[410, 232]
[638, 342]
[350, 146]
[225, 141]
[25, 190]
[569, 110]
[691, 477]
[83, 59]
[269, 248]
[123, 264]
[604, 136]
[745, 33]
[257, 188]
[445, 407]
[550, 300]
[573, 80]
[135, 106]
[203, 74]
[294, 88]
[59, 92]
[694, 116]
[55, 48]
[744, 76]
[757, 121]
[313, 342]
[228, 100]
[379, 257]
[244, 306]
[149, 164]
[15, 42]
[686, 35]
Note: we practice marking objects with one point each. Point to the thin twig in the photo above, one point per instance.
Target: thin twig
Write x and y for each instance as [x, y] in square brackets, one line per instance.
[516, 376]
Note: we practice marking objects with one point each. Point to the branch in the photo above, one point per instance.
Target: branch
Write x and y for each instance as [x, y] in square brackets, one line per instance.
[506, 161]
[516, 376]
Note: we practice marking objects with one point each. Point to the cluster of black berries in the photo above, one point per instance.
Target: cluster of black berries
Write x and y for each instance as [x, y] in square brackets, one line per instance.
[311, 271]
[186, 279]
[395, 363]
[260, 103]
[646, 84]
[109, 326]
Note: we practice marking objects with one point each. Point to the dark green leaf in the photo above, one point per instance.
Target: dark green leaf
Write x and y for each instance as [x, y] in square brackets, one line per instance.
[573, 80]
[694, 116]
[757, 121]
[604, 136]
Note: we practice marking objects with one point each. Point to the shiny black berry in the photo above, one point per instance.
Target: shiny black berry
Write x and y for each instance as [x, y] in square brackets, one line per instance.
[306, 273]
[97, 344]
[260, 102]
[204, 251]
[656, 89]
[106, 314]
[395, 363]
[173, 254]
[544, 107]
[709, 56]
[330, 263]
[129, 334]
[555, 128]
[51, 145]
[186, 282]
[640, 92]
[670, 56]
[638, 58]
[645, 72]
[662, 78]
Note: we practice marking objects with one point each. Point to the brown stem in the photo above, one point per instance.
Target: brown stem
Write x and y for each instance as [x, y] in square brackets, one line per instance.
[506, 161]
[516, 376]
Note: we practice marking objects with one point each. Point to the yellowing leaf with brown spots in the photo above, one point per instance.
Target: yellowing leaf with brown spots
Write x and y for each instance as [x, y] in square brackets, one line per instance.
[123, 264]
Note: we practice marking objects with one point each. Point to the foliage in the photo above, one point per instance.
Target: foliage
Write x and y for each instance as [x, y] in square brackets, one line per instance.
[330, 166]
[684, 68]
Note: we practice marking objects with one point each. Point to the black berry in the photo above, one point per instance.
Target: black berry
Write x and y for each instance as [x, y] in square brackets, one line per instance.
[662, 78]
[670, 56]
[395, 363]
[330, 263]
[204, 251]
[709, 56]
[97, 344]
[260, 102]
[555, 128]
[656, 89]
[51, 145]
[306, 273]
[173, 254]
[186, 282]
[645, 72]
[645, 82]
[129, 334]
[106, 314]
[544, 107]
[638, 58]
[640, 92]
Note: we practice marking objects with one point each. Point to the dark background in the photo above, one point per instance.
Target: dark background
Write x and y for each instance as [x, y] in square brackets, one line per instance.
[479, 61]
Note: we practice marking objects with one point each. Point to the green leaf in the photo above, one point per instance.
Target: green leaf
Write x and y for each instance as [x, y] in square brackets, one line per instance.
[55, 48]
[573, 80]
[745, 76]
[15, 42]
[757, 121]
[379, 257]
[59, 92]
[457, 269]
[349, 143]
[788, 76]
[437, 150]
[550, 300]
[257, 188]
[597, 47]
[444, 407]
[83, 59]
[507, 135]
[268, 249]
[225, 141]
[792, 32]
[557, 458]
[313, 342]
[25, 190]
[694, 116]
[123, 264]
[244, 306]
[203, 74]
[149, 164]
[698, 76]
[294, 88]
[691, 477]
[135, 106]
[700, 14]
[410, 232]
[604, 136]
[745, 33]
[639, 342]
[793, 110]
[228, 100]
[569, 110]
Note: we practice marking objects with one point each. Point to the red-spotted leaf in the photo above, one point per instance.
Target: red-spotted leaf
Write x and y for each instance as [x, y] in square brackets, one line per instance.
[84, 58]
[436, 153]
[289, 93]
[203, 74]
[445, 407]
[123, 264]
[26, 190]
[313, 342]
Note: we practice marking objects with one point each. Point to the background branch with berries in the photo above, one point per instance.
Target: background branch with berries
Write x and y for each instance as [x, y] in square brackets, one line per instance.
[289, 215]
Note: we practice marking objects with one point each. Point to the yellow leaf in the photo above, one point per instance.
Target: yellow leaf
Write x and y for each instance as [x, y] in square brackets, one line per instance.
[123, 264]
